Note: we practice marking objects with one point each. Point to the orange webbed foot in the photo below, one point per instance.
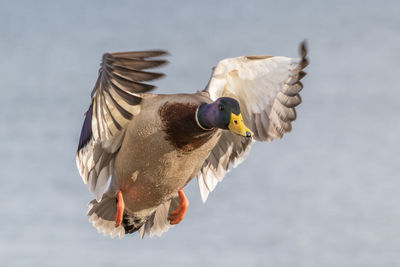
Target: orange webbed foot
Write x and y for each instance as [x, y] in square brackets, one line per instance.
[120, 209]
[177, 215]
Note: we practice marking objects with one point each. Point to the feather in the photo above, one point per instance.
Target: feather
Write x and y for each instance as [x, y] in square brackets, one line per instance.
[267, 89]
[115, 97]
[289, 101]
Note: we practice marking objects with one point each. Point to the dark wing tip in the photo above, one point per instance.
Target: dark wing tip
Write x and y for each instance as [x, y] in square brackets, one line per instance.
[304, 52]
[303, 49]
[302, 74]
[129, 69]
[136, 56]
[140, 54]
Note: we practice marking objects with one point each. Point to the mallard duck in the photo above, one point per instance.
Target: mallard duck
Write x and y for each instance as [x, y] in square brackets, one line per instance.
[137, 151]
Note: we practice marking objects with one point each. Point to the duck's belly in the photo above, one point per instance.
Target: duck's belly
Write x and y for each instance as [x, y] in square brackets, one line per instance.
[149, 187]
[149, 170]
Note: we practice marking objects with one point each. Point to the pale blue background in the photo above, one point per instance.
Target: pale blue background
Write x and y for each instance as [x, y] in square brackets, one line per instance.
[325, 195]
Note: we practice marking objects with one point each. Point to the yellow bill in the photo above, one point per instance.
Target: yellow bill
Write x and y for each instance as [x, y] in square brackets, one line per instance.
[237, 126]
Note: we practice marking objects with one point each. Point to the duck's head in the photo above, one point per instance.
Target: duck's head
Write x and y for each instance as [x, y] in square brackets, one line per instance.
[224, 113]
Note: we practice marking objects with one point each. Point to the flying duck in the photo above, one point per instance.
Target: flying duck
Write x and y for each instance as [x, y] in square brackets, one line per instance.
[137, 151]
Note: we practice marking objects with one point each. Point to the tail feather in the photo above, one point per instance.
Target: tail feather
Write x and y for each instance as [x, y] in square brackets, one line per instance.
[102, 216]
[131, 223]
[156, 223]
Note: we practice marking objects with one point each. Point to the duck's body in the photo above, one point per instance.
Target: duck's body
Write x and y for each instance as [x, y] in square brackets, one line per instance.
[137, 151]
[154, 142]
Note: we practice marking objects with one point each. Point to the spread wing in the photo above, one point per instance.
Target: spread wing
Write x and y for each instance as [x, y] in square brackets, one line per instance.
[267, 88]
[230, 150]
[115, 100]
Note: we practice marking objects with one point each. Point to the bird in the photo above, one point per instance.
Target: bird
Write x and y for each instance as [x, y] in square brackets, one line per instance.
[138, 150]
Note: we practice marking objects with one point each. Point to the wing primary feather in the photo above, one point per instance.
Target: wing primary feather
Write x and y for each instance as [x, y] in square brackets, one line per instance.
[95, 112]
[127, 97]
[292, 90]
[130, 83]
[104, 111]
[134, 75]
[303, 52]
[135, 64]
[142, 87]
[127, 115]
[302, 74]
[289, 101]
[96, 87]
[133, 87]
[139, 54]
[303, 49]
[304, 63]
[117, 125]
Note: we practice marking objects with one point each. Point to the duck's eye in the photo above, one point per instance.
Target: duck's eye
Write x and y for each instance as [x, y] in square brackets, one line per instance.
[235, 121]
[221, 107]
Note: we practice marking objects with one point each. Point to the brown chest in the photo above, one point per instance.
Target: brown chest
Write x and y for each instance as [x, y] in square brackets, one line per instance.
[180, 126]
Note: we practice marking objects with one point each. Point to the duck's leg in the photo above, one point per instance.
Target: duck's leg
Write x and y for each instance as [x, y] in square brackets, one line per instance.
[177, 215]
[120, 209]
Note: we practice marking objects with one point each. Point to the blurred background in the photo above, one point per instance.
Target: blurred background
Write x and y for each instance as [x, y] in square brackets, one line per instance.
[327, 194]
